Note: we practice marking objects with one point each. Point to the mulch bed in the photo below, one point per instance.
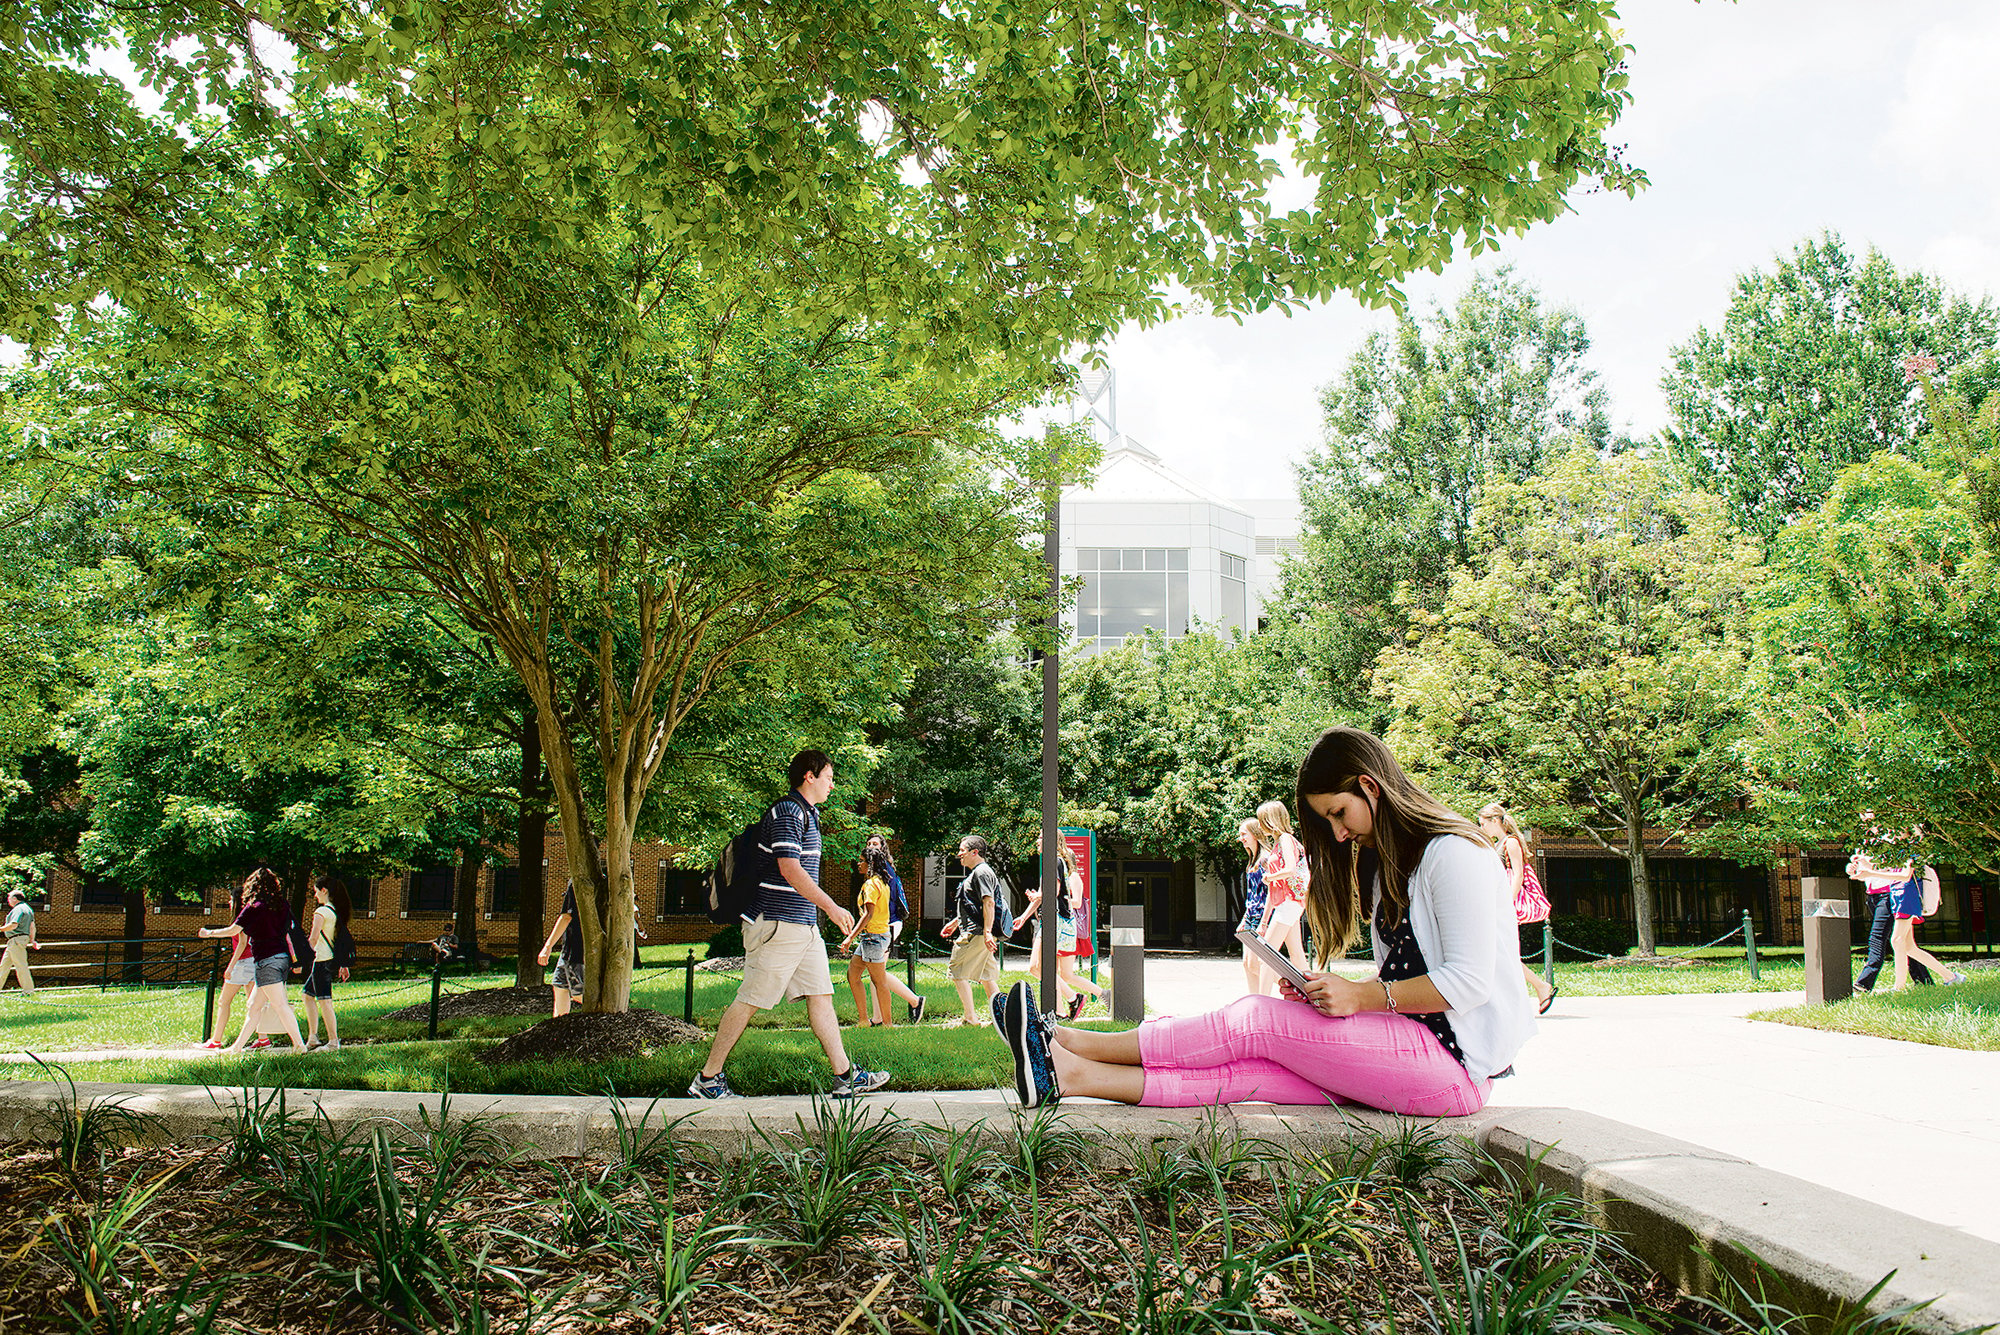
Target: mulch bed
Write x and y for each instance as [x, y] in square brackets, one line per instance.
[594, 1037]
[572, 1246]
[487, 1001]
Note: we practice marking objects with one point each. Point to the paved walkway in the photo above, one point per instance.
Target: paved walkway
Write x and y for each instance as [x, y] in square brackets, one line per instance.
[1909, 1126]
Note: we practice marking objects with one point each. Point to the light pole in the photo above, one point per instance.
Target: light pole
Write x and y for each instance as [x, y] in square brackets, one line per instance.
[1051, 679]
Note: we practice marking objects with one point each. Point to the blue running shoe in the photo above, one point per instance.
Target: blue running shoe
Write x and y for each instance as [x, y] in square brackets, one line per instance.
[711, 1087]
[857, 1081]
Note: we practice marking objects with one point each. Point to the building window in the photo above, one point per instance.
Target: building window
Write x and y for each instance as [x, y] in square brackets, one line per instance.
[360, 894]
[429, 890]
[682, 893]
[184, 900]
[1128, 591]
[506, 890]
[1235, 595]
[98, 893]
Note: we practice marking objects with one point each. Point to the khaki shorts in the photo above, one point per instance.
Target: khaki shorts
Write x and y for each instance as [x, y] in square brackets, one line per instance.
[972, 962]
[782, 961]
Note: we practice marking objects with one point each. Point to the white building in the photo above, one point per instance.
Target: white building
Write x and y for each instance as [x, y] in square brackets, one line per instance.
[1157, 551]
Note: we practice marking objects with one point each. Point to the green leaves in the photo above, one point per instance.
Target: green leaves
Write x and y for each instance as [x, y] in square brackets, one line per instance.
[1806, 376]
[1586, 668]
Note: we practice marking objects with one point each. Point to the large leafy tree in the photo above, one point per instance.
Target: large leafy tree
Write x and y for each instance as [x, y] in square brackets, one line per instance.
[599, 323]
[1423, 416]
[1878, 645]
[990, 170]
[1805, 376]
[1587, 666]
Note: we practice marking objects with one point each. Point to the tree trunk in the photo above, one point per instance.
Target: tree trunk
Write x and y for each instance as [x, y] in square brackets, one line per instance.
[465, 908]
[531, 834]
[1642, 884]
[135, 933]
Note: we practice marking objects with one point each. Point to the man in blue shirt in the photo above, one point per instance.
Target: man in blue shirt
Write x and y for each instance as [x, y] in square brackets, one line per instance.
[784, 956]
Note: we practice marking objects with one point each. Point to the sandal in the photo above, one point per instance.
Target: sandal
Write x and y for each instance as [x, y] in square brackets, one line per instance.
[1548, 1000]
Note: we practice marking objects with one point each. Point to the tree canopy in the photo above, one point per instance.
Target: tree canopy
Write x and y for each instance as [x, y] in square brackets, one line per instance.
[1805, 376]
[1421, 418]
[1586, 667]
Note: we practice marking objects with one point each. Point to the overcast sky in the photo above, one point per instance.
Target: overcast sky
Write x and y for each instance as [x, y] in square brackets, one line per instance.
[1760, 123]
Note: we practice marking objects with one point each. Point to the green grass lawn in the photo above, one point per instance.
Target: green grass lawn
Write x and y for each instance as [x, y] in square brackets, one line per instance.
[779, 1056]
[772, 1061]
[1965, 1016]
[1625, 979]
[71, 1019]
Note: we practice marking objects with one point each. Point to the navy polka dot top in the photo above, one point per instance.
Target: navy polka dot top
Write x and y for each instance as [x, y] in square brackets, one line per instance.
[1402, 959]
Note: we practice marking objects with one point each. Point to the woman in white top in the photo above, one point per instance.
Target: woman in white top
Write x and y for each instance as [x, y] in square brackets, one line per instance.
[1425, 1036]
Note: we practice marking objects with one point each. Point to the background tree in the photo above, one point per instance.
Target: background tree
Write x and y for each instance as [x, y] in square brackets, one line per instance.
[1424, 415]
[1586, 667]
[1805, 376]
[1174, 742]
[1878, 648]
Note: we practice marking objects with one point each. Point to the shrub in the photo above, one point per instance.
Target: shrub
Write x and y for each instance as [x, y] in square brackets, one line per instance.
[727, 943]
[1598, 935]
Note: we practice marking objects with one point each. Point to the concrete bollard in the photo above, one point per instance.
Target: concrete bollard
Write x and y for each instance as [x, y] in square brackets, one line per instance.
[1128, 962]
[1829, 939]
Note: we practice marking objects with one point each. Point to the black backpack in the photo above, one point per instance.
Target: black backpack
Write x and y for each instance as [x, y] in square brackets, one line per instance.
[732, 881]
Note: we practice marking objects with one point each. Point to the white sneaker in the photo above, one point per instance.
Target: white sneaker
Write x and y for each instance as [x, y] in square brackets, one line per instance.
[330, 1047]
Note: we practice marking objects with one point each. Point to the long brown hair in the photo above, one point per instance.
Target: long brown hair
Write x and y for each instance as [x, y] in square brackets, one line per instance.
[336, 895]
[263, 887]
[1341, 893]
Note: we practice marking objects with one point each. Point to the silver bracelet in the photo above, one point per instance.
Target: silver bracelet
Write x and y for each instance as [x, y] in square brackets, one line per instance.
[1388, 996]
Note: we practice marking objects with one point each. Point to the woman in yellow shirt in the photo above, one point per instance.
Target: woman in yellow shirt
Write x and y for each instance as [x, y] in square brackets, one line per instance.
[871, 939]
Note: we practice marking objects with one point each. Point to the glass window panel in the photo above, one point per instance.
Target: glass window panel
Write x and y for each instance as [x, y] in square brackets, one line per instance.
[1233, 603]
[1156, 558]
[506, 890]
[1177, 558]
[1135, 558]
[1086, 558]
[1131, 603]
[1177, 603]
[430, 890]
[1107, 558]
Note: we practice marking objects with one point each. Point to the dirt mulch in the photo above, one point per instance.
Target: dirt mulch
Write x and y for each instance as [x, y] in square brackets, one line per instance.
[487, 1001]
[537, 1254]
[594, 1038]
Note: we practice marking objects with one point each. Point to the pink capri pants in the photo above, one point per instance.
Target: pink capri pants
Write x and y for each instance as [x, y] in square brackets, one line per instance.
[1270, 1050]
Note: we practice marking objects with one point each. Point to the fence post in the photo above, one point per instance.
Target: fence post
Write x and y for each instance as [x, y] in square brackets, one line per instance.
[437, 982]
[1750, 944]
[910, 959]
[1548, 953]
[208, 1007]
[687, 1001]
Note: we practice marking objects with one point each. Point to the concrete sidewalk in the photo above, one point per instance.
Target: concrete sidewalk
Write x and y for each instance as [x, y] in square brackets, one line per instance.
[1906, 1125]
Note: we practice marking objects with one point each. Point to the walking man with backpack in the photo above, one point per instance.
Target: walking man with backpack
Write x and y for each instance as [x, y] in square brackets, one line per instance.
[784, 956]
[981, 920]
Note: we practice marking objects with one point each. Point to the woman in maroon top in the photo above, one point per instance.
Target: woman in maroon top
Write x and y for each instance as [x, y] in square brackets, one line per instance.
[266, 920]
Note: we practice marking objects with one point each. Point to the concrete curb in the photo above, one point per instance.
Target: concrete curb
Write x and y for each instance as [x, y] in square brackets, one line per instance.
[1676, 1205]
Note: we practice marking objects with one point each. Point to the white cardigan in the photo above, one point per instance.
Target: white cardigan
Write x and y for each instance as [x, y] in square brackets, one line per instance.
[1462, 914]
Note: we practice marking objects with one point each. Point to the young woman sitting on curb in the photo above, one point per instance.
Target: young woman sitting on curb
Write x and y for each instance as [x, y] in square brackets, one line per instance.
[1425, 1037]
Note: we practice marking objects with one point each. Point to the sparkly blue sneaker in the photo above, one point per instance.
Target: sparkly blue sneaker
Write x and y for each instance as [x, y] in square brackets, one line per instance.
[1027, 1035]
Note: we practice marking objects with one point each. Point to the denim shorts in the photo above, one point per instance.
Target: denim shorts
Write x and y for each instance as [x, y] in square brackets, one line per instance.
[243, 972]
[568, 977]
[272, 969]
[319, 980]
[872, 947]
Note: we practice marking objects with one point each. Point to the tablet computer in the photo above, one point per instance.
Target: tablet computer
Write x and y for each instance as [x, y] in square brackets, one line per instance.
[1283, 967]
